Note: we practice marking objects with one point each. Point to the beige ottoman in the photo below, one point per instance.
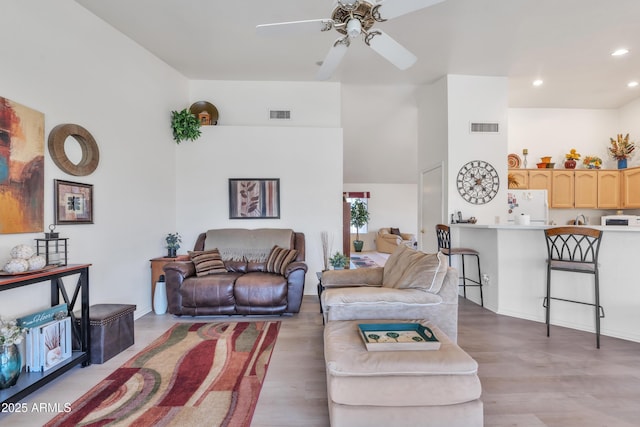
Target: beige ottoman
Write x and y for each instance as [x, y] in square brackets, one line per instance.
[399, 388]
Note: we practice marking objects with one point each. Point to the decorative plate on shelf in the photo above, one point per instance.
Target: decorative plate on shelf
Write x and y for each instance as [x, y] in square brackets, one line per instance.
[514, 161]
[205, 112]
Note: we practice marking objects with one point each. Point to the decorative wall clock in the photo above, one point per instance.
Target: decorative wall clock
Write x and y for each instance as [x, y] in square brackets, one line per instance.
[478, 182]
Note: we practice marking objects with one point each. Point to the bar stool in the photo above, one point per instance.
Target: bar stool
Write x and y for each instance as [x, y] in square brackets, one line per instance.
[443, 233]
[574, 249]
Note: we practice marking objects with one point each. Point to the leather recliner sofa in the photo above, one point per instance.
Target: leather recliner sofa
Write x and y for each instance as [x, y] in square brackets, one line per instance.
[245, 286]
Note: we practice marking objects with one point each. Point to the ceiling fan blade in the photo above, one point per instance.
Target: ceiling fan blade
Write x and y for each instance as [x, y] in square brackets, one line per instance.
[389, 9]
[333, 59]
[295, 27]
[390, 49]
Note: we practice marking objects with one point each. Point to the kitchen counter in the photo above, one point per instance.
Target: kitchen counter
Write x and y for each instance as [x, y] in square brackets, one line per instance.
[545, 226]
[514, 258]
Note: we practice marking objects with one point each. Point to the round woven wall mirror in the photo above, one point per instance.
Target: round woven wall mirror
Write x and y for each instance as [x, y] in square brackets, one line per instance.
[90, 153]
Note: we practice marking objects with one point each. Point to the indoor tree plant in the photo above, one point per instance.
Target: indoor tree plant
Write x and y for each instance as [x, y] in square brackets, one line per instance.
[359, 217]
[185, 126]
[173, 244]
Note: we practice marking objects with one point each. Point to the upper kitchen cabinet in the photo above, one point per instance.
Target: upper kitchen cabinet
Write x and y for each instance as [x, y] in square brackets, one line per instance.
[631, 188]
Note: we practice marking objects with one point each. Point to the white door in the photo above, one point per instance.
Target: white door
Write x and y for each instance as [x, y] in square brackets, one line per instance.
[431, 207]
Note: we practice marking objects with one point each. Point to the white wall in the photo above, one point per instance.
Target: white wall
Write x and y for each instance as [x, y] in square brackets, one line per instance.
[477, 99]
[380, 134]
[308, 162]
[390, 205]
[433, 150]
[630, 123]
[239, 103]
[61, 60]
[555, 131]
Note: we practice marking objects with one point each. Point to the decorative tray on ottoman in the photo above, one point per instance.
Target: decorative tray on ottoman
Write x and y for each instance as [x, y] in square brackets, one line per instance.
[397, 336]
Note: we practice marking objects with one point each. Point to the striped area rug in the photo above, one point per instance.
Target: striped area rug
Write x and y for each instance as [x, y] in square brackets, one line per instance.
[196, 374]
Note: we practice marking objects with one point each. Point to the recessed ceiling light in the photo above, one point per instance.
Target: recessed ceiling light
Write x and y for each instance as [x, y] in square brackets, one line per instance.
[537, 82]
[632, 84]
[620, 52]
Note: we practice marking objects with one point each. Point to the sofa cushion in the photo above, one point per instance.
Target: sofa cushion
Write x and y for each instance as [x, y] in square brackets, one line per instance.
[260, 293]
[213, 290]
[426, 272]
[207, 262]
[279, 258]
[409, 268]
[395, 266]
[251, 245]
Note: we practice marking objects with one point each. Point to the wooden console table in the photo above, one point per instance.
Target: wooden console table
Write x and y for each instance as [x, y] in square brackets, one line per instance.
[31, 381]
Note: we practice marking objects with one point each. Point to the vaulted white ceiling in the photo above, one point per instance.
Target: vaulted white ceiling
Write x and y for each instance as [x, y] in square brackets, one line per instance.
[567, 43]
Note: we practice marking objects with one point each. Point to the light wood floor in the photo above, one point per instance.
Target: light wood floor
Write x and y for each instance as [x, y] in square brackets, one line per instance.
[528, 380]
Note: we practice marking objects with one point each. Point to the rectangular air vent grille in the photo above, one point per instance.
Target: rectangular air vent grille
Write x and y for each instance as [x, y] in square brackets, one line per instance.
[280, 114]
[485, 128]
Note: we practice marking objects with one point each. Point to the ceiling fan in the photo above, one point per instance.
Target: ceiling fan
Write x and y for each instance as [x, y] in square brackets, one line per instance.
[353, 18]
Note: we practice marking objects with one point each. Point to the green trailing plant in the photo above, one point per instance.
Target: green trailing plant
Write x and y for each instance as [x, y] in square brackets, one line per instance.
[338, 260]
[359, 216]
[185, 126]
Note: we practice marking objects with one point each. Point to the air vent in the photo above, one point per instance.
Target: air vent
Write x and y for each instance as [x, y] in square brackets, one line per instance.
[280, 114]
[485, 128]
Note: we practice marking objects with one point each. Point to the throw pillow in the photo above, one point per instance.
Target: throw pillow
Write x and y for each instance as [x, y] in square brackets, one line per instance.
[395, 266]
[279, 258]
[207, 262]
[425, 271]
[395, 231]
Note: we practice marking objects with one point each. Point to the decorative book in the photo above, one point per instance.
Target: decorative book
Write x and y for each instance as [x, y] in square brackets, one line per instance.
[397, 336]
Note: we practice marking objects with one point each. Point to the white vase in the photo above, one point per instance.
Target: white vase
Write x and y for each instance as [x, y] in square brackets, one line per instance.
[160, 298]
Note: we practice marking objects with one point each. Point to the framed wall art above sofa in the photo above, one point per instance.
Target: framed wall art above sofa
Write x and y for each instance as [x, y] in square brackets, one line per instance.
[254, 198]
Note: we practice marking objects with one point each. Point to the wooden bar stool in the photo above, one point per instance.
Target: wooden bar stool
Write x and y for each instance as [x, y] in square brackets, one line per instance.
[443, 234]
[574, 249]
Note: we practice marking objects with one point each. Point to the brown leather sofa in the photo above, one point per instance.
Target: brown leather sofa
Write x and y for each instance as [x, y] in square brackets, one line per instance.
[246, 287]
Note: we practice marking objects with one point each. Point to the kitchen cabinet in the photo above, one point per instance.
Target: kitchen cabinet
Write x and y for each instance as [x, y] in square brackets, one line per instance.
[608, 189]
[562, 184]
[521, 176]
[631, 188]
[585, 189]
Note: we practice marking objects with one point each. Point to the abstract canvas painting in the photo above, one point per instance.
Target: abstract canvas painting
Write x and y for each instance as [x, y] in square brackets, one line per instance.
[21, 168]
[254, 198]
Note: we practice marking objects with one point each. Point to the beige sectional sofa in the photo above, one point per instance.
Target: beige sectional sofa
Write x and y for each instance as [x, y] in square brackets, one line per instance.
[411, 285]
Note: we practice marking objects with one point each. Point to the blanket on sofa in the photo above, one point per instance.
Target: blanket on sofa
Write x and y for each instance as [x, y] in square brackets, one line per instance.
[236, 244]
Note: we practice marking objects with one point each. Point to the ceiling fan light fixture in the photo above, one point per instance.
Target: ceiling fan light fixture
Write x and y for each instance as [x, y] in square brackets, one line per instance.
[354, 28]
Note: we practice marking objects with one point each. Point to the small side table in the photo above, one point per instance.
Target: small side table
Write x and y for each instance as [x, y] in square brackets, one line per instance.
[157, 265]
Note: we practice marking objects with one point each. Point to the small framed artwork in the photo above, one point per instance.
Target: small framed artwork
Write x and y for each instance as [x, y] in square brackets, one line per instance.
[73, 202]
[254, 198]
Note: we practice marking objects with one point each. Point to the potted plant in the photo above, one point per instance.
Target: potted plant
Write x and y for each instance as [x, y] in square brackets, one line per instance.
[621, 149]
[185, 126]
[338, 261]
[11, 335]
[592, 162]
[173, 244]
[359, 217]
[571, 157]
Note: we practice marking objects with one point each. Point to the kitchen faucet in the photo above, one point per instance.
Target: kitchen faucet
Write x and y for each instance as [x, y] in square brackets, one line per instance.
[584, 220]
